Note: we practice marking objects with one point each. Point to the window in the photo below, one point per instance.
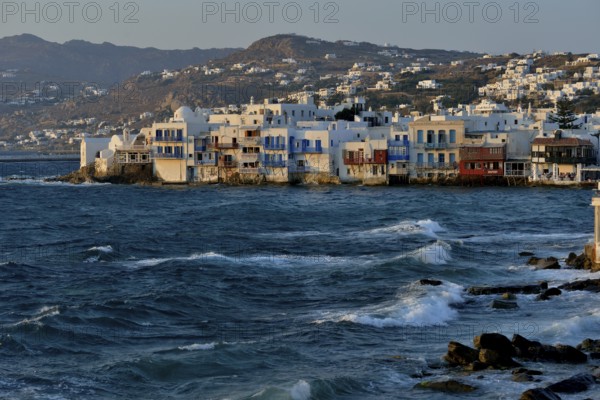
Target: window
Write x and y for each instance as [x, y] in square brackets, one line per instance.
[420, 137]
[452, 136]
[397, 138]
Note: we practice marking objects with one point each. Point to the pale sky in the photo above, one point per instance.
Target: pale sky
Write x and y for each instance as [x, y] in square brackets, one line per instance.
[484, 26]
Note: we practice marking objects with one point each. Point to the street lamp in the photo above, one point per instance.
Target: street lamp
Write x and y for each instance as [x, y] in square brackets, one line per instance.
[597, 136]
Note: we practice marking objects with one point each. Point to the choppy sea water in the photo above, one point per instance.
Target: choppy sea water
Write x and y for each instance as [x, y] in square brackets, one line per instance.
[272, 292]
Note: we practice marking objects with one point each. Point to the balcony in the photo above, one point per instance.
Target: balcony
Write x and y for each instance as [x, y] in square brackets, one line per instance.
[167, 156]
[223, 146]
[250, 141]
[308, 150]
[249, 157]
[437, 166]
[570, 160]
[200, 149]
[398, 143]
[206, 162]
[132, 148]
[274, 146]
[398, 157]
[274, 163]
[168, 139]
[354, 160]
[227, 164]
[250, 171]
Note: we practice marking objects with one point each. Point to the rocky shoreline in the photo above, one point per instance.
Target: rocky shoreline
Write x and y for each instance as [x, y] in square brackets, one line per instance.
[127, 175]
[519, 357]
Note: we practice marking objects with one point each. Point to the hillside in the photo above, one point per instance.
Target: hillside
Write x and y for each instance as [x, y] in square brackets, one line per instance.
[77, 60]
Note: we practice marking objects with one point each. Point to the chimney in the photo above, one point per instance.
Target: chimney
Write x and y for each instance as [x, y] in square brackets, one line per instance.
[558, 134]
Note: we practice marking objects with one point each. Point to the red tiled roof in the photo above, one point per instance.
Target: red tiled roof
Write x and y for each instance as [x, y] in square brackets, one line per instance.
[562, 142]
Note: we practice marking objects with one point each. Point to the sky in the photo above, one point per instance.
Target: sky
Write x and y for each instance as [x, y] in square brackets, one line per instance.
[496, 27]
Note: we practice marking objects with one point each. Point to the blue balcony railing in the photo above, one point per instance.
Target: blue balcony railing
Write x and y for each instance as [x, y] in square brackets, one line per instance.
[398, 157]
[399, 143]
[273, 163]
[200, 149]
[206, 162]
[274, 146]
[314, 150]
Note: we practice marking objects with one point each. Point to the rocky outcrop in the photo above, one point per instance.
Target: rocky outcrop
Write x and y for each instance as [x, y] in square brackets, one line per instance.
[459, 354]
[126, 175]
[590, 285]
[544, 263]
[449, 386]
[504, 304]
[552, 292]
[579, 261]
[576, 384]
[539, 394]
[518, 289]
[535, 351]
[430, 282]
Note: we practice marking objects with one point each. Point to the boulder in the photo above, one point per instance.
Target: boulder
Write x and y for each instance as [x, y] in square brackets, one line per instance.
[579, 261]
[496, 359]
[569, 354]
[590, 285]
[549, 293]
[494, 341]
[519, 289]
[524, 347]
[576, 384]
[504, 305]
[449, 386]
[509, 296]
[430, 282]
[589, 345]
[539, 394]
[522, 378]
[547, 263]
[459, 354]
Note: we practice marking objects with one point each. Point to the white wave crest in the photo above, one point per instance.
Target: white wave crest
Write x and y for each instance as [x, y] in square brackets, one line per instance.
[198, 346]
[437, 253]
[418, 306]
[41, 314]
[300, 391]
[102, 249]
[426, 227]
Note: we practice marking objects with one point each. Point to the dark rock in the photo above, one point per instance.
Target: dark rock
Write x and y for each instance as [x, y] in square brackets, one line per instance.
[576, 384]
[595, 356]
[496, 359]
[526, 371]
[504, 305]
[524, 289]
[522, 378]
[590, 285]
[526, 254]
[524, 347]
[450, 386]
[579, 261]
[533, 260]
[569, 354]
[459, 354]
[476, 366]
[548, 263]
[430, 282]
[494, 341]
[539, 394]
[549, 293]
[589, 345]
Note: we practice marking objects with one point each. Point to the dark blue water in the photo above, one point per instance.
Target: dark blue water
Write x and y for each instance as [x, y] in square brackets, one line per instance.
[271, 292]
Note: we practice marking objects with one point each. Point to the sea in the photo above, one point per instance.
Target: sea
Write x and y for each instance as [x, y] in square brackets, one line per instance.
[274, 292]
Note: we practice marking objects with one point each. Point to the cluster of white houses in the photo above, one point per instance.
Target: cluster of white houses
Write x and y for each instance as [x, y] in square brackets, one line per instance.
[277, 142]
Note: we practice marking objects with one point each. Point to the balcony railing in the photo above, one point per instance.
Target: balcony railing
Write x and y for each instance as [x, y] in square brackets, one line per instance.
[200, 149]
[249, 157]
[167, 156]
[251, 140]
[133, 148]
[206, 162]
[250, 171]
[228, 164]
[399, 143]
[398, 157]
[274, 164]
[313, 150]
[518, 173]
[437, 165]
[273, 146]
[570, 160]
[223, 146]
[168, 139]
[354, 161]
